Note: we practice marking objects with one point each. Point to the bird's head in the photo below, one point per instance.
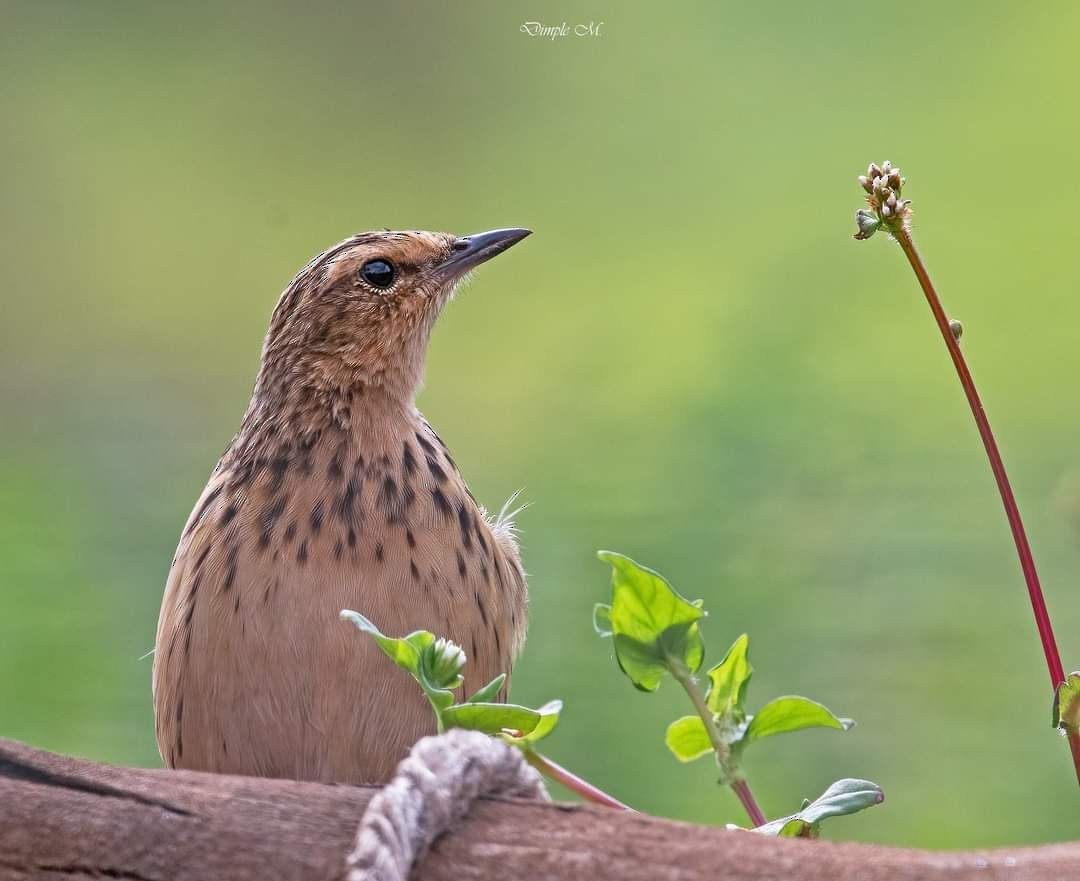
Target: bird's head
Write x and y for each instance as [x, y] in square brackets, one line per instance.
[360, 314]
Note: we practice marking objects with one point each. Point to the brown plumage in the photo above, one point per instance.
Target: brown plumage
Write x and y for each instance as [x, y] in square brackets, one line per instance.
[335, 493]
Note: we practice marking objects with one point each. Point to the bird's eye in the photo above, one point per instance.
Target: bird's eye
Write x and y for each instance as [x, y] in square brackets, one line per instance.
[378, 273]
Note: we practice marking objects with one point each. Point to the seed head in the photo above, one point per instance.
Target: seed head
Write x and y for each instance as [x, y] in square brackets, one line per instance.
[883, 185]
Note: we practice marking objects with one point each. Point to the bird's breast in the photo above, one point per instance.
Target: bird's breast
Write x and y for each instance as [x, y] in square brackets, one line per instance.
[255, 673]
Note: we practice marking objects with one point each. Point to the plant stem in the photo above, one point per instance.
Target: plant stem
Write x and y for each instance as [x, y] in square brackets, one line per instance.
[742, 790]
[1012, 512]
[720, 747]
[556, 772]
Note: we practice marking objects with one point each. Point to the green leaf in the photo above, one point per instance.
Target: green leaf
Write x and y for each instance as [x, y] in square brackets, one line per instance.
[549, 718]
[655, 629]
[688, 739]
[404, 652]
[601, 619]
[490, 718]
[791, 713]
[847, 796]
[407, 652]
[513, 723]
[1066, 715]
[729, 678]
[488, 692]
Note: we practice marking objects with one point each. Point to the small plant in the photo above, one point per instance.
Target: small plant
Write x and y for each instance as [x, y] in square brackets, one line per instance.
[656, 633]
[436, 664]
[887, 210]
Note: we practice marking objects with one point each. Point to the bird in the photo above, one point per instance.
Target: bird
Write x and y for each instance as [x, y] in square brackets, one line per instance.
[335, 493]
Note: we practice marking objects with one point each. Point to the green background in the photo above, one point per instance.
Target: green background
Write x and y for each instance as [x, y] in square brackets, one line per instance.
[690, 361]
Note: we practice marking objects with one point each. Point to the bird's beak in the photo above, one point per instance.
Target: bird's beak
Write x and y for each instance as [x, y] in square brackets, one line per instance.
[468, 252]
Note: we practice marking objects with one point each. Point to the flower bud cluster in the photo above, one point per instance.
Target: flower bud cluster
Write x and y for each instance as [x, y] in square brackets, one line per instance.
[882, 184]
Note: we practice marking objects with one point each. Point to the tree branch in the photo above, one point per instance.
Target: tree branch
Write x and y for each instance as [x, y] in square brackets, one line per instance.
[64, 818]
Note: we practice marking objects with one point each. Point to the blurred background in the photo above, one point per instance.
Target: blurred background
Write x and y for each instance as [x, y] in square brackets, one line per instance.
[691, 361]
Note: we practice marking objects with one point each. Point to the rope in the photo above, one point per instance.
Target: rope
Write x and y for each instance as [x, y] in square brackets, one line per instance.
[432, 790]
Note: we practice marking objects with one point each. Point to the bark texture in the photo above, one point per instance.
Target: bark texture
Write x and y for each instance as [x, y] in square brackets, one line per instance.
[65, 818]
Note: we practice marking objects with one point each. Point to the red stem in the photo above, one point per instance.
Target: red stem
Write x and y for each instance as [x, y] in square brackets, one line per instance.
[556, 772]
[1012, 512]
[742, 790]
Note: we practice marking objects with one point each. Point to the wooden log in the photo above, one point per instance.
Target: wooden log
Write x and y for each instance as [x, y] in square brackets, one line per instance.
[65, 818]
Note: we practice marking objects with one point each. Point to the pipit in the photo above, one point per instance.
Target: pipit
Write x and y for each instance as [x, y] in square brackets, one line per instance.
[335, 493]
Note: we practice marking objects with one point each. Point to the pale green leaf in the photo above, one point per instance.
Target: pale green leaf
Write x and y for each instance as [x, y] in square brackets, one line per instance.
[844, 797]
[403, 652]
[488, 692]
[687, 739]
[491, 718]
[1067, 705]
[729, 678]
[549, 718]
[655, 629]
[791, 713]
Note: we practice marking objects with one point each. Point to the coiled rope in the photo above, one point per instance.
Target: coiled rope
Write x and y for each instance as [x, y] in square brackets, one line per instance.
[433, 789]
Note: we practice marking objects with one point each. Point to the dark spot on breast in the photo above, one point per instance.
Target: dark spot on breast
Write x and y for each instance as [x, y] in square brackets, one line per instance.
[379, 552]
[480, 607]
[203, 555]
[436, 469]
[439, 497]
[279, 466]
[346, 507]
[316, 517]
[484, 572]
[460, 564]
[301, 553]
[290, 532]
[230, 567]
[498, 571]
[408, 461]
[413, 570]
[498, 643]
[389, 491]
[472, 645]
[465, 522]
[269, 519]
[333, 470]
[410, 538]
[339, 549]
[480, 530]
[236, 605]
[224, 746]
[228, 514]
[351, 537]
[425, 444]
